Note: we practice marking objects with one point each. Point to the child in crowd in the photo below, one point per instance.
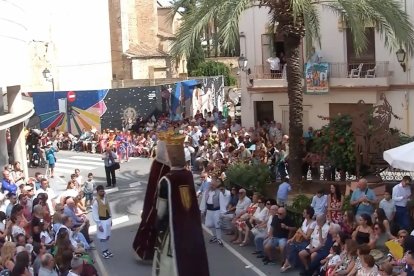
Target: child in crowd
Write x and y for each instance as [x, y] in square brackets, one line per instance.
[283, 192]
[388, 205]
[45, 235]
[73, 178]
[330, 262]
[88, 189]
[320, 203]
[368, 267]
[78, 176]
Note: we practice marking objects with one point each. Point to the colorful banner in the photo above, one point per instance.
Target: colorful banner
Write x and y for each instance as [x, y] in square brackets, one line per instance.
[316, 75]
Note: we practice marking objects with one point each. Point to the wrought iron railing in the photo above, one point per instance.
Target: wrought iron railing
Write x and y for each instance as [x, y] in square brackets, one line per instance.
[263, 72]
[378, 69]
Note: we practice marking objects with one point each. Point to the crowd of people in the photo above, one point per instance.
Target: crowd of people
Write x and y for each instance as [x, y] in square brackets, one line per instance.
[371, 239]
[47, 234]
[360, 242]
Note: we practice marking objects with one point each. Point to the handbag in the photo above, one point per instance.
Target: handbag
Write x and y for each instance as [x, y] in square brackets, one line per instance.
[298, 237]
[116, 166]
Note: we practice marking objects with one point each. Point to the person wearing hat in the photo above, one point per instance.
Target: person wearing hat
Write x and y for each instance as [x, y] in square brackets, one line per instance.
[144, 241]
[76, 266]
[101, 214]
[177, 252]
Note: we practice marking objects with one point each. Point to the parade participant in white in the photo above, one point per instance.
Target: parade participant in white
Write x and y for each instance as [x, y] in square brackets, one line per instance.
[210, 206]
[102, 216]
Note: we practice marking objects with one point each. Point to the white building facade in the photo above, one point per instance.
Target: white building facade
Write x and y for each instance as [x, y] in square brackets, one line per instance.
[376, 71]
[14, 73]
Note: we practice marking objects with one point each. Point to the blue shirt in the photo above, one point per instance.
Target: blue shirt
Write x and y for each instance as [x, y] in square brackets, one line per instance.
[50, 156]
[205, 185]
[75, 219]
[364, 208]
[283, 191]
[6, 185]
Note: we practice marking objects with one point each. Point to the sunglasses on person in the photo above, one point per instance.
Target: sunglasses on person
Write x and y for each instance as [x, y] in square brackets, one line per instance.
[260, 202]
[268, 203]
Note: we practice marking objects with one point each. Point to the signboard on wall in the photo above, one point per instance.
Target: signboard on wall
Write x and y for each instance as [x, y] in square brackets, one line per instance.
[316, 75]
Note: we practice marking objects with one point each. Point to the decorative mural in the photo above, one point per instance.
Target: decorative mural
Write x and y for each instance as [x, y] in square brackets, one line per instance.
[55, 111]
[119, 108]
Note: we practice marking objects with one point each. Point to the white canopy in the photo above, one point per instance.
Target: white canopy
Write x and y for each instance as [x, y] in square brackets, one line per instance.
[401, 157]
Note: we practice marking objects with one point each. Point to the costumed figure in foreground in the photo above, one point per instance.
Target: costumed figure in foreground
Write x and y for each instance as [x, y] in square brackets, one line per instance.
[144, 242]
[180, 248]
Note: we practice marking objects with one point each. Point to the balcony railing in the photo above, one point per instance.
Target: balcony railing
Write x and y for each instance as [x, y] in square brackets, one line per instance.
[358, 70]
[263, 72]
[336, 70]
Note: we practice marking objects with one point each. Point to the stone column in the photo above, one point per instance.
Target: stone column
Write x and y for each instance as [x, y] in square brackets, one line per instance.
[18, 143]
[4, 156]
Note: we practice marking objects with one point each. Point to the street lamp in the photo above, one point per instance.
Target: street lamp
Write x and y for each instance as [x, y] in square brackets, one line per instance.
[49, 77]
[401, 58]
[242, 62]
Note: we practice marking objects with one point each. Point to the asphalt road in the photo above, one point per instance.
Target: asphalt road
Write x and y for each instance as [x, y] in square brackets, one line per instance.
[126, 203]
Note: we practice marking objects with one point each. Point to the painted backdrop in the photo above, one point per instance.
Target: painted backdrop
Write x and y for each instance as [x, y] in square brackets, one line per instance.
[119, 108]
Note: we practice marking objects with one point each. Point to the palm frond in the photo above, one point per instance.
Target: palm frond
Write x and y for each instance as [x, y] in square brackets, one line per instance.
[392, 23]
[312, 24]
[229, 16]
[190, 31]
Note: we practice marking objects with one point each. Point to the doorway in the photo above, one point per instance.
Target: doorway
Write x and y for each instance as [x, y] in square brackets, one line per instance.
[263, 111]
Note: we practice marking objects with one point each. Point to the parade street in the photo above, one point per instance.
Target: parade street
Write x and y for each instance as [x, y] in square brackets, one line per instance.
[126, 202]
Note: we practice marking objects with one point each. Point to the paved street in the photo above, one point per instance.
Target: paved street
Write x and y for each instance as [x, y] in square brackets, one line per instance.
[126, 202]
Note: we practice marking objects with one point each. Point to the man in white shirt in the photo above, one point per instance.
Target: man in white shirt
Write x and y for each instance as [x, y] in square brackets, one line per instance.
[210, 117]
[274, 63]
[188, 152]
[401, 194]
[319, 203]
[51, 196]
[76, 266]
[210, 206]
[388, 205]
[195, 138]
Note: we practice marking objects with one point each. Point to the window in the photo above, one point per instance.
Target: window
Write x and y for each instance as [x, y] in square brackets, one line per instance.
[368, 55]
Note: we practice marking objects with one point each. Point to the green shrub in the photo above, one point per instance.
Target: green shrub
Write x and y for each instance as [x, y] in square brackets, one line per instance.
[213, 68]
[346, 205]
[300, 202]
[251, 177]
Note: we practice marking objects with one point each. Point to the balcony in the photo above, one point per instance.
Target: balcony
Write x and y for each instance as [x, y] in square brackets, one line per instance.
[341, 76]
[344, 75]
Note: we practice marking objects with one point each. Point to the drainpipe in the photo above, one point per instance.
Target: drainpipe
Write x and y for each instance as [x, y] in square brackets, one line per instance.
[408, 81]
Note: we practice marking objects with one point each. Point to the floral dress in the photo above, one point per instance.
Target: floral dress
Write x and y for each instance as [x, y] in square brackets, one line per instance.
[335, 215]
[241, 222]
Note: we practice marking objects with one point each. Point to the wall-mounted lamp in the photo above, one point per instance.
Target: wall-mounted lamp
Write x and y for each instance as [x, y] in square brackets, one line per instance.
[242, 61]
[49, 77]
[401, 54]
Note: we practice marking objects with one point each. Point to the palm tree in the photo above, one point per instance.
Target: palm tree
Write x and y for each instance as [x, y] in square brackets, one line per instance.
[220, 15]
[297, 20]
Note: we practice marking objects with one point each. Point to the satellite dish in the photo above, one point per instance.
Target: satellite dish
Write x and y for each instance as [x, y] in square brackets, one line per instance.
[234, 97]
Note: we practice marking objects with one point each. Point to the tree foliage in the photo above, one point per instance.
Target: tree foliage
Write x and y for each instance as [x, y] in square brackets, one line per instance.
[213, 68]
[335, 142]
[251, 177]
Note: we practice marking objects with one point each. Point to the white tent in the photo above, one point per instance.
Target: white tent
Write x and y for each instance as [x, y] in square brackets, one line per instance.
[401, 157]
